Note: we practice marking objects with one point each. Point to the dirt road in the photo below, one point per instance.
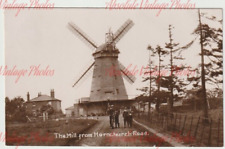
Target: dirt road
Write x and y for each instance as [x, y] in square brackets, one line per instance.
[102, 135]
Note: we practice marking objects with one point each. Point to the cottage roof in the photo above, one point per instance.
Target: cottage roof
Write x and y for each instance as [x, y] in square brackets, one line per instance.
[70, 108]
[44, 98]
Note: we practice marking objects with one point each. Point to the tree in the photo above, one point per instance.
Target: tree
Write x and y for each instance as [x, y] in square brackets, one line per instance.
[47, 108]
[211, 47]
[173, 82]
[159, 52]
[15, 109]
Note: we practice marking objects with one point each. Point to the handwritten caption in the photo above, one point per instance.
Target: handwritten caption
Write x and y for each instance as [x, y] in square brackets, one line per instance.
[129, 136]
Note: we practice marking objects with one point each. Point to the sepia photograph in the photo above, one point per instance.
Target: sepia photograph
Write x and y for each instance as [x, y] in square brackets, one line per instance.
[113, 77]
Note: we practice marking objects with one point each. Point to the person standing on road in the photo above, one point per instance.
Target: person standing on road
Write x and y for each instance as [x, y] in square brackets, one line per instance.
[111, 117]
[130, 119]
[117, 123]
[125, 117]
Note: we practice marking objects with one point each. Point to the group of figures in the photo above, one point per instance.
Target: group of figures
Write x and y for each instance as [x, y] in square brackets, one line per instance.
[114, 117]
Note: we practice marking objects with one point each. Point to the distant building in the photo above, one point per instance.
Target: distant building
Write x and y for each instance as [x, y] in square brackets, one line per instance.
[33, 106]
[86, 108]
[72, 111]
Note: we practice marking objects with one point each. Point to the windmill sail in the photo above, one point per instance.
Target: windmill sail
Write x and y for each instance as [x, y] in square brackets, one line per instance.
[127, 74]
[84, 74]
[123, 30]
[84, 37]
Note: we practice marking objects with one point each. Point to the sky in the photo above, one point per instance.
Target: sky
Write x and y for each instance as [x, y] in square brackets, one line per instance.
[41, 37]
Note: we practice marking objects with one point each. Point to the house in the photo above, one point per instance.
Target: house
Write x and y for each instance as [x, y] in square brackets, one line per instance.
[33, 106]
[70, 111]
[73, 111]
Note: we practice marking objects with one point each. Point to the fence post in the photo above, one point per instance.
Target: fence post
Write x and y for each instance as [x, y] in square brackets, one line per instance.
[150, 119]
[196, 129]
[203, 128]
[175, 121]
[160, 120]
[179, 123]
[210, 131]
[218, 135]
[182, 131]
[171, 121]
[191, 125]
[167, 122]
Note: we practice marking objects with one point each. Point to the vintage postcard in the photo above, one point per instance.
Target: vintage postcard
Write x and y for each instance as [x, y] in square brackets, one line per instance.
[135, 73]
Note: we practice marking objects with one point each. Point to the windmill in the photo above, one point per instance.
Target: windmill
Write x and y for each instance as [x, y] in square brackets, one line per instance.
[106, 83]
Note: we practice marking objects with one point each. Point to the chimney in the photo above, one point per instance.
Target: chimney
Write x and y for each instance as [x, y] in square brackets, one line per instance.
[52, 93]
[28, 96]
[39, 94]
